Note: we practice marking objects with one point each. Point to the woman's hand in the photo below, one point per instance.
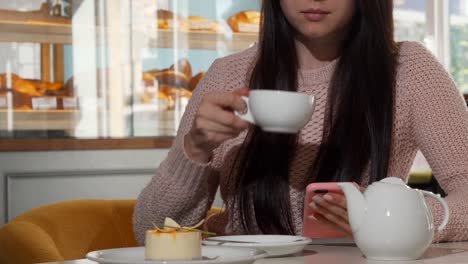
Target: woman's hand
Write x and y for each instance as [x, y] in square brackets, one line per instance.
[214, 123]
[331, 209]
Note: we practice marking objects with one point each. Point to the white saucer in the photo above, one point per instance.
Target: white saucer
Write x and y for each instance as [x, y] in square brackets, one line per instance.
[274, 245]
[212, 255]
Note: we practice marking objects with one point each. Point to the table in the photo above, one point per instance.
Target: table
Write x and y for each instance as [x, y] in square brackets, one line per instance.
[450, 253]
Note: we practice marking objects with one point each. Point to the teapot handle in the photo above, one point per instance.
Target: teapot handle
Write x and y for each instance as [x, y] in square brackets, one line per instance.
[444, 205]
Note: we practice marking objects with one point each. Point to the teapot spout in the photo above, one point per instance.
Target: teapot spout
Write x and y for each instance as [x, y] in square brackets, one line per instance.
[356, 204]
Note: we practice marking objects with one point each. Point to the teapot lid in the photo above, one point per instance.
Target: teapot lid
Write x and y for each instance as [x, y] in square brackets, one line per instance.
[393, 180]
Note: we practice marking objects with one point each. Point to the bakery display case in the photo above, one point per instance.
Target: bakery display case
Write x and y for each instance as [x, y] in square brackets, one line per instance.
[78, 70]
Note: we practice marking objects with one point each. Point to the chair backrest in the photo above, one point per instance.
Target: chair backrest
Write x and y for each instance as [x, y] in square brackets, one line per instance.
[67, 230]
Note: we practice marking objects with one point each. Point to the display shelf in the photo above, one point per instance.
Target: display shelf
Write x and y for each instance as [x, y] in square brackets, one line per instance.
[54, 144]
[34, 26]
[202, 40]
[36, 32]
[58, 33]
[40, 119]
[131, 127]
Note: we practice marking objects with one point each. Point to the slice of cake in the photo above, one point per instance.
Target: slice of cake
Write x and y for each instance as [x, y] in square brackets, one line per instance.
[173, 242]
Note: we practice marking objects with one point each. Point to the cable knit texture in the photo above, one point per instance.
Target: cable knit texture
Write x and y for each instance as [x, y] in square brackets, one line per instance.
[430, 115]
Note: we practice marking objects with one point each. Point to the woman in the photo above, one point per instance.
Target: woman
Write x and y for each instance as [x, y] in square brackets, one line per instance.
[377, 103]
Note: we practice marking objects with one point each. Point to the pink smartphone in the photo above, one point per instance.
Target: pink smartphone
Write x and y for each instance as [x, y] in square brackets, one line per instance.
[313, 228]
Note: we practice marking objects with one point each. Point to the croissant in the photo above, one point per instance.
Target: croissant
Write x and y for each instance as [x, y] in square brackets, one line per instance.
[195, 80]
[168, 77]
[62, 90]
[166, 20]
[183, 66]
[46, 87]
[21, 85]
[173, 93]
[245, 21]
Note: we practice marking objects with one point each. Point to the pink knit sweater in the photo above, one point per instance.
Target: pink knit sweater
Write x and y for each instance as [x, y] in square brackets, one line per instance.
[430, 115]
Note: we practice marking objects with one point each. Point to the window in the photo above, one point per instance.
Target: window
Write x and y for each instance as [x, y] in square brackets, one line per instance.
[442, 25]
[459, 43]
[410, 20]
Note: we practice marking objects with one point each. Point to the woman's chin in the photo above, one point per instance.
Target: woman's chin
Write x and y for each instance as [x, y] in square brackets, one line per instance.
[315, 34]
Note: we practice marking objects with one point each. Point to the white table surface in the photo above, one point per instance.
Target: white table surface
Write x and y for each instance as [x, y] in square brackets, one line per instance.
[451, 253]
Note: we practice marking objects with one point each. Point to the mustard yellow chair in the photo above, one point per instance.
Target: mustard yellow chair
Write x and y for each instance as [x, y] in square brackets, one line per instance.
[67, 230]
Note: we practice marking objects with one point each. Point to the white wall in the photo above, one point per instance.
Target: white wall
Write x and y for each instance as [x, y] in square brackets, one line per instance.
[32, 179]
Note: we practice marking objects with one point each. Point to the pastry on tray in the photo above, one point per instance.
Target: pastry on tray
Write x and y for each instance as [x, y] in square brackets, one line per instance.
[169, 86]
[171, 77]
[178, 75]
[21, 85]
[175, 95]
[195, 80]
[48, 88]
[173, 242]
[201, 23]
[68, 89]
[245, 21]
[38, 94]
[183, 66]
[162, 94]
[169, 20]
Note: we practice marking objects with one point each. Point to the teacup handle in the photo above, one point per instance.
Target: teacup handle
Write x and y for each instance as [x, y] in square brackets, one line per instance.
[444, 205]
[248, 115]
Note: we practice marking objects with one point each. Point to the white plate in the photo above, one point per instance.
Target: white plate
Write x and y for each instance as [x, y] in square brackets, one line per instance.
[212, 255]
[274, 245]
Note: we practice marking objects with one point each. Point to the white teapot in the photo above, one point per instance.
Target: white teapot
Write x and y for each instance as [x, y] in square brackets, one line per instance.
[391, 221]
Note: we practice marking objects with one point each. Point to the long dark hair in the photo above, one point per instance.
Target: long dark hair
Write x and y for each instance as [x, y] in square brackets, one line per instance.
[358, 123]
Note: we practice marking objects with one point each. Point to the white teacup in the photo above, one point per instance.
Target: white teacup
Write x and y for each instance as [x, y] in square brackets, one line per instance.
[278, 111]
